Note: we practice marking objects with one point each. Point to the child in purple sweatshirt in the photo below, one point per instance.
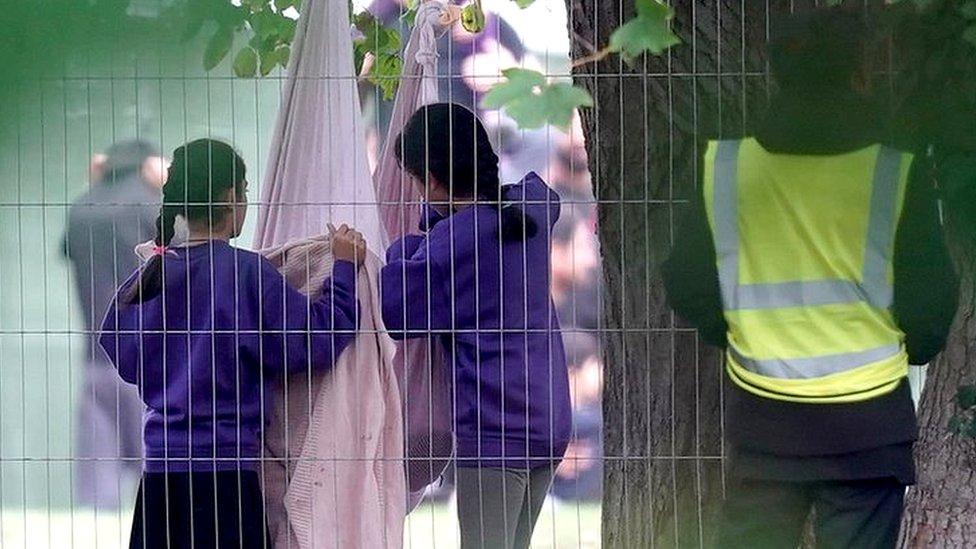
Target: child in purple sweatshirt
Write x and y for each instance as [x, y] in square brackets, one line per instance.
[478, 282]
[202, 329]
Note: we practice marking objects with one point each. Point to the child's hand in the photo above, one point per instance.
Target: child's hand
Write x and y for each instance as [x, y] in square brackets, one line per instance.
[348, 244]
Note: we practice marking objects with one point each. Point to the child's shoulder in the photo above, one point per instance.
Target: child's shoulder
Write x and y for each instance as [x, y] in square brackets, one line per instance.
[246, 260]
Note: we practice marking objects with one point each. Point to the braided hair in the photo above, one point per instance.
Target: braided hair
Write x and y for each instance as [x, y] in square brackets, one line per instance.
[449, 142]
[199, 177]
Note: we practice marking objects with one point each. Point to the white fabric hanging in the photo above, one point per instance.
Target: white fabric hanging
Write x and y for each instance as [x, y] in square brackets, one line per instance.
[418, 86]
[336, 480]
[318, 173]
[427, 408]
[317, 168]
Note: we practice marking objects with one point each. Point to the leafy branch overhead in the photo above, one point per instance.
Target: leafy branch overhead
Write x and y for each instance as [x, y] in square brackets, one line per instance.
[532, 101]
[650, 31]
[270, 26]
[529, 97]
[378, 47]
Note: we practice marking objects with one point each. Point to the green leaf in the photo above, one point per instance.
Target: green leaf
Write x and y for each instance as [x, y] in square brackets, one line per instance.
[377, 38]
[473, 18]
[282, 5]
[969, 35]
[254, 5]
[385, 74]
[195, 18]
[518, 84]
[532, 102]
[265, 24]
[410, 16]
[384, 44]
[217, 47]
[968, 10]
[524, 3]
[269, 60]
[649, 31]
[286, 29]
[966, 397]
[246, 62]
[284, 53]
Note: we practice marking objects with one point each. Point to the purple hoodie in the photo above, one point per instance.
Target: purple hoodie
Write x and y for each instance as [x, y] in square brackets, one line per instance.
[488, 303]
[204, 352]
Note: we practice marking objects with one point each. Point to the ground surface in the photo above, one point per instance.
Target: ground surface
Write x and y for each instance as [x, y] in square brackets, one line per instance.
[430, 526]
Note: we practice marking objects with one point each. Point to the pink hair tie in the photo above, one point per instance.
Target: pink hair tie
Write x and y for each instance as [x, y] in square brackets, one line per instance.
[160, 250]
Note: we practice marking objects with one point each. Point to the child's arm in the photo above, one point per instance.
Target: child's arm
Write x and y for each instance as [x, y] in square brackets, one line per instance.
[298, 333]
[414, 297]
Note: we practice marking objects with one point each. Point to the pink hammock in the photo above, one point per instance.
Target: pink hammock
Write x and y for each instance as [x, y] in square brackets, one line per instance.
[318, 173]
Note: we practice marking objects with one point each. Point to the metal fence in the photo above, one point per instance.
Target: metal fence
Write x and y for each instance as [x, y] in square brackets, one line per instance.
[53, 126]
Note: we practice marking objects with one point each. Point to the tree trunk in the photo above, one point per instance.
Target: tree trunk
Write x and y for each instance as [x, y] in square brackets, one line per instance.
[662, 402]
[940, 510]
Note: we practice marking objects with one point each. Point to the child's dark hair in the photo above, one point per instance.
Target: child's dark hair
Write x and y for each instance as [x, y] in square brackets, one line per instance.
[447, 141]
[199, 177]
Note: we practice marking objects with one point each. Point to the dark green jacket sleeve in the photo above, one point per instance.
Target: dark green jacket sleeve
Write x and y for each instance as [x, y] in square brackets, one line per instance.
[691, 275]
[926, 285]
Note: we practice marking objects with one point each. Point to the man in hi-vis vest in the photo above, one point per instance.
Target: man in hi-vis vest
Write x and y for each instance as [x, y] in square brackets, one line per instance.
[815, 257]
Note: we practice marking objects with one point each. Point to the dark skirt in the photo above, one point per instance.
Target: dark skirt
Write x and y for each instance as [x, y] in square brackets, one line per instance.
[213, 510]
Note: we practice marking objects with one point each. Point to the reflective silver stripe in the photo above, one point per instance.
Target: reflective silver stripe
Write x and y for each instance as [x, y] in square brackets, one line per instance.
[797, 294]
[725, 212]
[814, 366]
[881, 228]
[873, 287]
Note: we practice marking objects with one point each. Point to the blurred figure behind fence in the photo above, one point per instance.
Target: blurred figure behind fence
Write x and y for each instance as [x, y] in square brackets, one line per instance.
[104, 225]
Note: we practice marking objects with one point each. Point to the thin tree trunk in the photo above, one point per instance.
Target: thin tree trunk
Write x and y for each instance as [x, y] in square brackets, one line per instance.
[662, 402]
[940, 510]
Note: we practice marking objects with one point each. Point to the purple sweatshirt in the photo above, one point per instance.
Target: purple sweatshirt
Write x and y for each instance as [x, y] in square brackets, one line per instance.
[488, 303]
[205, 351]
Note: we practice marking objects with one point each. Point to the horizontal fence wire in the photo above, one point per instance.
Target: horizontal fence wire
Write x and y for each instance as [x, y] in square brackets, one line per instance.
[70, 443]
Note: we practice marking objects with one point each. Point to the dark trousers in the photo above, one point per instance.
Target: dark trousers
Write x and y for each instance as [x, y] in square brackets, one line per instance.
[498, 508]
[220, 510]
[766, 514]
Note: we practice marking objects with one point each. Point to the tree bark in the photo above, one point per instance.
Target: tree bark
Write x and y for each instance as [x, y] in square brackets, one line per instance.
[940, 510]
[662, 402]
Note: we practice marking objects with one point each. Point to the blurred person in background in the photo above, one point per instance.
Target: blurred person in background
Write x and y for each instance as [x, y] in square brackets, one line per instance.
[575, 261]
[467, 65]
[580, 475]
[105, 223]
[568, 168]
[96, 168]
[519, 151]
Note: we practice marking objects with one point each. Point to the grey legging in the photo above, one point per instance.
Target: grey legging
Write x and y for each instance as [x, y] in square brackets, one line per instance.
[498, 508]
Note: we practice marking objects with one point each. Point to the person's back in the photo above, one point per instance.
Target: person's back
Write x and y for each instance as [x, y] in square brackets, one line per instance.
[104, 226]
[805, 244]
[203, 352]
[815, 257]
[478, 282]
[504, 339]
[202, 328]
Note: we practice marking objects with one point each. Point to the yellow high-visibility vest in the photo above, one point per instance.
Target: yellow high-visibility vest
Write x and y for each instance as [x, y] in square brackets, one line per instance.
[804, 246]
